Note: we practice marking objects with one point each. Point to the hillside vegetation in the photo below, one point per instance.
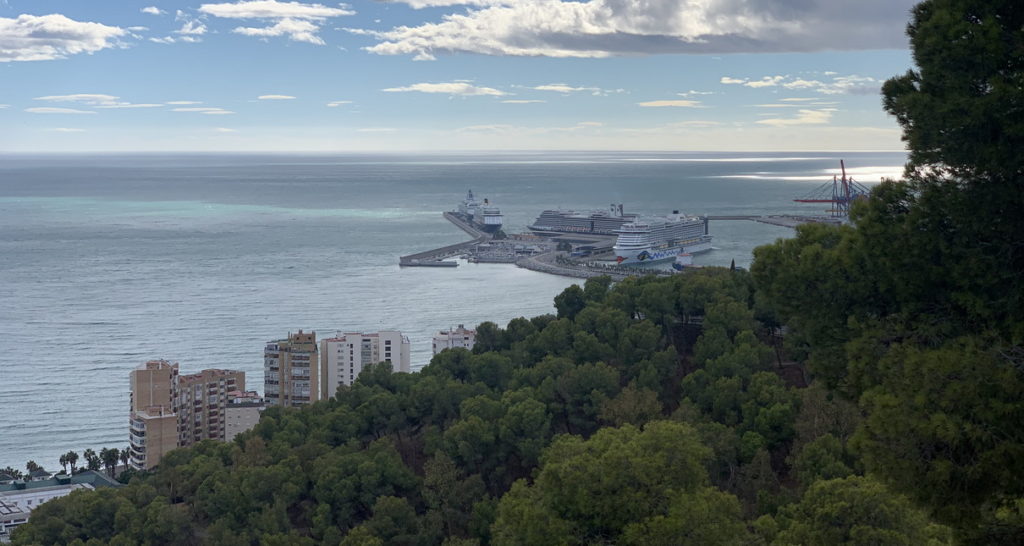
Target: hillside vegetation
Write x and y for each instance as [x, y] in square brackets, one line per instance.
[862, 384]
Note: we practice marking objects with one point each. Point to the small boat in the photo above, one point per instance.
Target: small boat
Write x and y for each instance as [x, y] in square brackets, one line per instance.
[683, 260]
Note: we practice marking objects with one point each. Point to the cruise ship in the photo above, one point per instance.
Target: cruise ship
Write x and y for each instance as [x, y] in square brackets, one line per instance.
[598, 222]
[659, 239]
[484, 216]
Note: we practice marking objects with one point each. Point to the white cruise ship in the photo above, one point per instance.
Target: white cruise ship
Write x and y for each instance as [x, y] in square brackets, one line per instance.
[659, 239]
[485, 215]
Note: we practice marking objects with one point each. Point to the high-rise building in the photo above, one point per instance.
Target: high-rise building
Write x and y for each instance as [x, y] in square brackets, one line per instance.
[454, 337]
[201, 400]
[343, 357]
[153, 420]
[169, 410]
[291, 371]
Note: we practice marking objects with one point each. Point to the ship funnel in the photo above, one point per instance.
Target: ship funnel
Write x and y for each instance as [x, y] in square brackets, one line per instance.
[675, 212]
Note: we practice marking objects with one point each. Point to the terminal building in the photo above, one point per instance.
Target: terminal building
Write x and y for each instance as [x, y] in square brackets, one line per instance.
[343, 357]
[454, 337]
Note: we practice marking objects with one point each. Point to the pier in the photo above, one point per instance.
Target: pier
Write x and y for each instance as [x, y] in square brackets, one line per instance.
[790, 221]
[436, 257]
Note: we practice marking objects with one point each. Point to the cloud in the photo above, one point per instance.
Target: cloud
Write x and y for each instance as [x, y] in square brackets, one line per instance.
[376, 130]
[450, 88]
[522, 101]
[275, 97]
[48, 37]
[803, 117]
[602, 28]
[225, 130]
[152, 10]
[209, 110]
[96, 100]
[183, 102]
[566, 89]
[674, 103]
[336, 103]
[692, 93]
[2, 106]
[853, 84]
[299, 22]
[52, 110]
[192, 27]
[164, 40]
[67, 130]
[791, 99]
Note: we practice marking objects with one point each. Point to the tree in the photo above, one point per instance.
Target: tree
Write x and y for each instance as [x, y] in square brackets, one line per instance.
[91, 459]
[64, 462]
[706, 517]
[31, 467]
[12, 472]
[856, 510]
[570, 301]
[71, 458]
[109, 457]
[594, 488]
[124, 456]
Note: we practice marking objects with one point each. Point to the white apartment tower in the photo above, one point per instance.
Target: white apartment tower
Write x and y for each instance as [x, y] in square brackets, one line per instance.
[454, 337]
[343, 357]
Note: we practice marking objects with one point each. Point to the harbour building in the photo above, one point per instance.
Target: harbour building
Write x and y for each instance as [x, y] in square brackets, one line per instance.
[291, 371]
[169, 410]
[454, 337]
[343, 357]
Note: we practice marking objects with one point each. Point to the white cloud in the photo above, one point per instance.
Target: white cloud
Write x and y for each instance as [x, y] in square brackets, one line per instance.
[674, 103]
[791, 99]
[853, 84]
[376, 130]
[2, 106]
[152, 10]
[296, 30]
[213, 111]
[183, 102]
[138, 29]
[522, 101]
[48, 37]
[130, 105]
[164, 40]
[450, 88]
[566, 89]
[67, 130]
[272, 9]
[692, 93]
[601, 28]
[52, 110]
[336, 103]
[299, 22]
[803, 117]
[84, 98]
[96, 100]
[275, 97]
[192, 27]
[225, 130]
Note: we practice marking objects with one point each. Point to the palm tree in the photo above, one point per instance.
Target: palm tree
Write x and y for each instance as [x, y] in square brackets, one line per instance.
[125, 455]
[31, 466]
[109, 457]
[72, 458]
[64, 462]
[92, 461]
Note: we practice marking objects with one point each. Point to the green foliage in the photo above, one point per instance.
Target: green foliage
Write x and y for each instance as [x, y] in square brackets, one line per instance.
[856, 511]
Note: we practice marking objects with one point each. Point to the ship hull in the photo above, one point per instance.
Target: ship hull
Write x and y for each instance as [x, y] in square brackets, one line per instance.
[649, 255]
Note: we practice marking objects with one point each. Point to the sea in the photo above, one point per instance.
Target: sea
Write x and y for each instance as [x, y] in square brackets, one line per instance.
[107, 261]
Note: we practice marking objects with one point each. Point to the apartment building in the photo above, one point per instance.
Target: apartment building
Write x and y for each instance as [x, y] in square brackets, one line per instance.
[344, 356]
[454, 337]
[201, 399]
[169, 410]
[153, 419]
[242, 413]
[291, 371]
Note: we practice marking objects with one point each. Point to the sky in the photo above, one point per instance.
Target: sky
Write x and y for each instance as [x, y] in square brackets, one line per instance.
[449, 75]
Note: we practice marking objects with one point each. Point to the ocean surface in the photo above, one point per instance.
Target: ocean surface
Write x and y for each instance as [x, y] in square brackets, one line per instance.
[107, 261]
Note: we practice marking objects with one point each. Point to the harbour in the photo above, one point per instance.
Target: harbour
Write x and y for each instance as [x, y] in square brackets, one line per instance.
[577, 255]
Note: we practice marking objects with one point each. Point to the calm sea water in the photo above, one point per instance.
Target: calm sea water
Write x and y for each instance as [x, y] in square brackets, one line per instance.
[108, 261]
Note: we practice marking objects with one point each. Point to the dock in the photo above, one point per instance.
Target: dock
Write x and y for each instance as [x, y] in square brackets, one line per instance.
[790, 221]
[436, 257]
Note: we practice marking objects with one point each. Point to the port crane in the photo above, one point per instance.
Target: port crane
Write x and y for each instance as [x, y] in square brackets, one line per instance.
[841, 192]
